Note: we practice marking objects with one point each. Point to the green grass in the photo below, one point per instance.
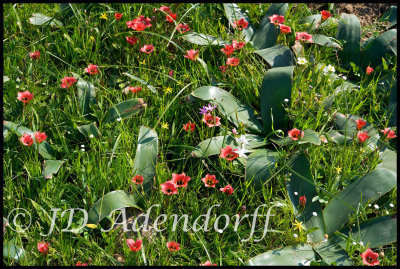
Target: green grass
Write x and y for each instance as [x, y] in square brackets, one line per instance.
[107, 162]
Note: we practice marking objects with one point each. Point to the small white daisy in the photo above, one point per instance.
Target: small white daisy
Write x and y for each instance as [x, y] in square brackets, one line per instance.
[301, 61]
[354, 243]
[82, 149]
[314, 213]
[82, 146]
[118, 119]
[286, 100]
[91, 135]
[361, 243]
[391, 205]
[328, 68]
[369, 205]
[296, 193]
[376, 206]
[295, 235]
[344, 77]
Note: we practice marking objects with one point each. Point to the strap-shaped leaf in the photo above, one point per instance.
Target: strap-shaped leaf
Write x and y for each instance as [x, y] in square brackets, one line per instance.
[11, 251]
[203, 39]
[299, 255]
[298, 185]
[313, 20]
[349, 30]
[277, 56]
[145, 83]
[40, 19]
[390, 16]
[146, 156]
[212, 146]
[309, 137]
[45, 149]
[124, 110]
[259, 166]
[375, 232]
[392, 109]
[236, 111]
[86, 95]
[332, 252]
[234, 13]
[110, 202]
[376, 49]
[90, 129]
[323, 40]
[51, 167]
[389, 160]
[338, 138]
[275, 88]
[365, 189]
[267, 33]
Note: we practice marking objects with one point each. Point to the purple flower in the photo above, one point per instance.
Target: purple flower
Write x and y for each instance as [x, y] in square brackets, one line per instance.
[203, 110]
[210, 108]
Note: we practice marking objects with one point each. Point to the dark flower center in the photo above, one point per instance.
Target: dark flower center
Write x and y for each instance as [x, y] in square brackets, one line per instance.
[210, 182]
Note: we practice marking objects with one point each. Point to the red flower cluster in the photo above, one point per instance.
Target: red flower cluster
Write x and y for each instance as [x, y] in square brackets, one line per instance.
[173, 246]
[389, 134]
[240, 24]
[134, 89]
[183, 28]
[67, 82]
[139, 24]
[35, 55]
[325, 14]
[25, 96]
[134, 245]
[192, 54]
[43, 248]
[131, 40]
[369, 70]
[189, 126]
[278, 20]
[91, 69]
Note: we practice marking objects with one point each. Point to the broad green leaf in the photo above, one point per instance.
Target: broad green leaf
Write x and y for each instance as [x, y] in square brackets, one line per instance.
[86, 95]
[146, 157]
[124, 110]
[234, 13]
[255, 141]
[236, 111]
[392, 109]
[338, 138]
[363, 190]
[332, 252]
[150, 87]
[390, 16]
[110, 202]
[349, 30]
[45, 149]
[11, 251]
[40, 19]
[213, 146]
[277, 56]
[299, 255]
[275, 88]
[313, 20]
[375, 232]
[89, 129]
[385, 44]
[51, 167]
[324, 41]
[302, 187]
[267, 33]
[259, 166]
[309, 137]
[203, 39]
[389, 160]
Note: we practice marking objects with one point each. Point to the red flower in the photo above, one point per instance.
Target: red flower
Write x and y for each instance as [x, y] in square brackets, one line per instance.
[169, 188]
[302, 200]
[26, 139]
[369, 70]
[369, 257]
[147, 49]
[134, 89]
[303, 36]
[211, 121]
[171, 73]
[285, 29]
[134, 246]
[277, 19]
[240, 24]
[227, 189]
[118, 16]
[182, 28]
[180, 180]
[171, 17]
[139, 24]
[228, 153]
[228, 50]
[295, 133]
[189, 126]
[238, 45]
[232, 61]
[91, 69]
[35, 55]
[43, 248]
[25, 96]
[388, 133]
[223, 68]
[325, 14]
[173, 246]
[209, 180]
[81, 264]
[131, 40]
[192, 54]
[360, 124]
[165, 9]
[138, 179]
[67, 82]
[362, 136]
[40, 137]
[208, 263]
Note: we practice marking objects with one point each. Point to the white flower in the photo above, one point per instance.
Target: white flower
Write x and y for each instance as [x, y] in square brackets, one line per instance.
[301, 61]
[91, 135]
[391, 205]
[296, 193]
[242, 139]
[354, 243]
[376, 206]
[295, 235]
[328, 68]
[369, 205]
[82, 149]
[118, 119]
[344, 77]
[314, 213]
[361, 243]
[241, 152]
[82, 146]
[286, 100]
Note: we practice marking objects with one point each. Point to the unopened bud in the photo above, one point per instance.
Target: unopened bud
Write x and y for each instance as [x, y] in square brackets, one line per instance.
[326, 236]
[382, 254]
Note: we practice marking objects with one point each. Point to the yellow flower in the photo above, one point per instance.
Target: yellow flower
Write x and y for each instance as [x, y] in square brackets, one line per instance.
[222, 29]
[144, 62]
[168, 90]
[298, 225]
[186, 75]
[92, 226]
[104, 16]
[179, 82]
[92, 38]
[338, 169]
[165, 125]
